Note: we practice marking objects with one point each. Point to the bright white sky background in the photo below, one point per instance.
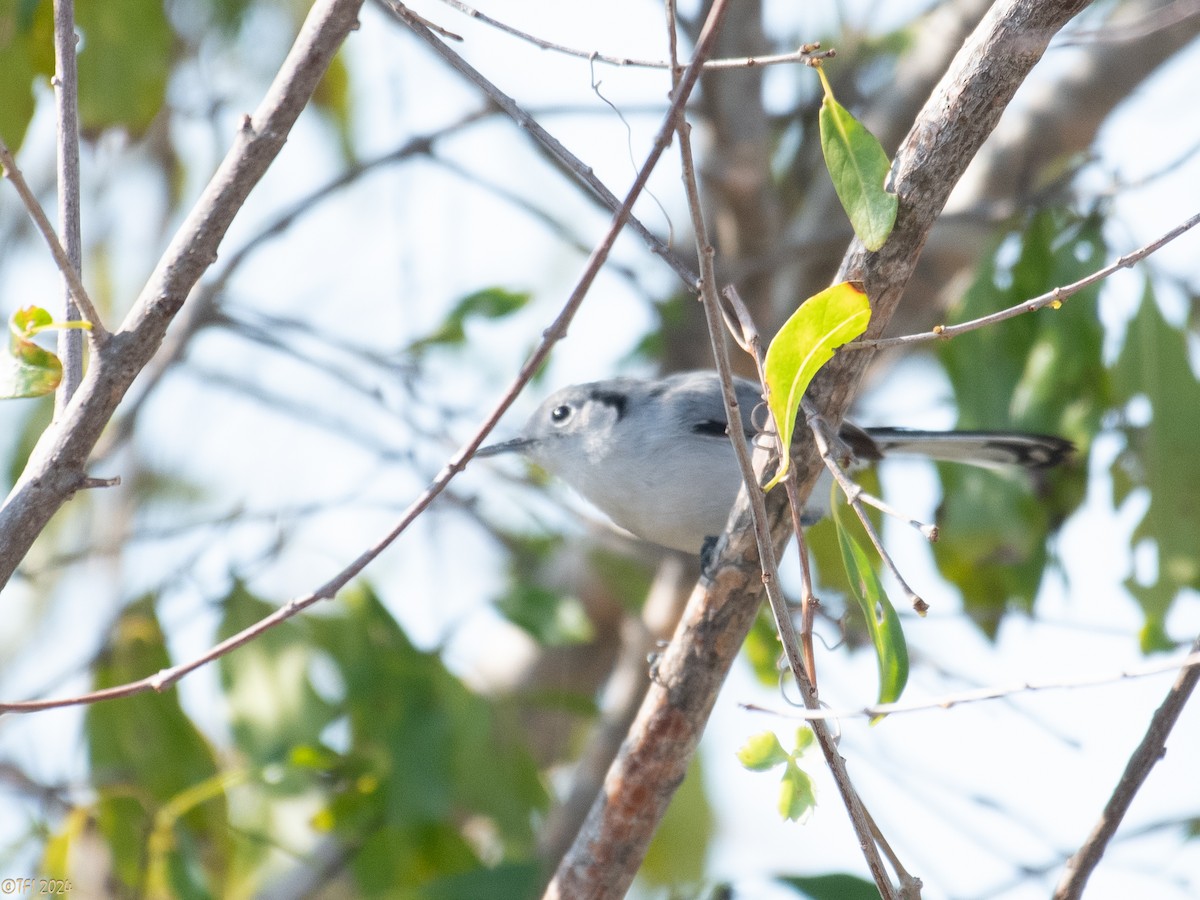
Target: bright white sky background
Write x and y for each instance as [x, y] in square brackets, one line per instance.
[964, 793]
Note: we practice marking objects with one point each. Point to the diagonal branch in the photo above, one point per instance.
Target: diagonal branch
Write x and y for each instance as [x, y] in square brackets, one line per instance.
[1149, 751]
[56, 468]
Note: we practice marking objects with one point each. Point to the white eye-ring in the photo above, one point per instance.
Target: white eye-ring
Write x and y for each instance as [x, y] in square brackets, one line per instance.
[561, 414]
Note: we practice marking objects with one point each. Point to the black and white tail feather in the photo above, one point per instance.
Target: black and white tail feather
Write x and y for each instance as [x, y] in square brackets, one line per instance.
[976, 448]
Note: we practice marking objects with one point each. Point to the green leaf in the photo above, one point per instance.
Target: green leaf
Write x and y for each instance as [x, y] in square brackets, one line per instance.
[804, 740]
[273, 708]
[550, 619]
[508, 881]
[806, 342]
[1042, 372]
[859, 168]
[26, 57]
[489, 303]
[678, 853]
[891, 650]
[796, 795]
[833, 887]
[124, 61]
[147, 757]
[29, 370]
[762, 648]
[423, 751]
[1155, 367]
[762, 752]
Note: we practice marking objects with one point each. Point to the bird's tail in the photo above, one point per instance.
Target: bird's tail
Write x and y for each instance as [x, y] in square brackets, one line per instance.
[979, 448]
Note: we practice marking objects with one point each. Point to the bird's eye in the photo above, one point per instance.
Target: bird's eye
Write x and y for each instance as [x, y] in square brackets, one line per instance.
[560, 414]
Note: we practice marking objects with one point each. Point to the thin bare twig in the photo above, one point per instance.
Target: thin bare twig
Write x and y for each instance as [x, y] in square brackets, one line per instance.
[13, 172]
[745, 332]
[802, 54]
[820, 432]
[66, 89]
[979, 695]
[1152, 748]
[1052, 298]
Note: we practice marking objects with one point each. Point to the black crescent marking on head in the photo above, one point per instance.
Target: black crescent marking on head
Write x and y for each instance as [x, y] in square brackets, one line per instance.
[612, 399]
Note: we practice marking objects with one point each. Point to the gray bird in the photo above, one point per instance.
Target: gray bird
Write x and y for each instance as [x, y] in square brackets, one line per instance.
[654, 455]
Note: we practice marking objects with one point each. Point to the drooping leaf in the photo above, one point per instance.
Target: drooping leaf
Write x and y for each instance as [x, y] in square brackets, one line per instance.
[797, 798]
[825, 555]
[806, 342]
[1154, 368]
[859, 167]
[887, 635]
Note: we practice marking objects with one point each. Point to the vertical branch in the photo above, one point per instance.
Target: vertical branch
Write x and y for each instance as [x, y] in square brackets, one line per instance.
[66, 96]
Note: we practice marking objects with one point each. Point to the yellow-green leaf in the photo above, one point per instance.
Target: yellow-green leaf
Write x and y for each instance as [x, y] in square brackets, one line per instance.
[859, 168]
[761, 752]
[28, 370]
[806, 342]
[883, 624]
[796, 795]
[804, 740]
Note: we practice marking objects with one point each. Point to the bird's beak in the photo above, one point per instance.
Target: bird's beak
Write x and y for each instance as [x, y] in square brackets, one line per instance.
[516, 445]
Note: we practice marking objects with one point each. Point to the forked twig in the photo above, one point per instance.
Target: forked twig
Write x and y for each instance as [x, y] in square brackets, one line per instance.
[13, 172]
[820, 431]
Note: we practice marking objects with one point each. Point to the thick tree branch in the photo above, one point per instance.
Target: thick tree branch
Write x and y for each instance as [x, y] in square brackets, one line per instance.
[56, 468]
[948, 132]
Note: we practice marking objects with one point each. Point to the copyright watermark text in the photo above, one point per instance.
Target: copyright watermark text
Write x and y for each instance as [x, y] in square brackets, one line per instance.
[28, 887]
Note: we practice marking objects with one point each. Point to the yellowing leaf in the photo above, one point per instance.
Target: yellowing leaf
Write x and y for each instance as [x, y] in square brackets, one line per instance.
[28, 370]
[859, 168]
[806, 342]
